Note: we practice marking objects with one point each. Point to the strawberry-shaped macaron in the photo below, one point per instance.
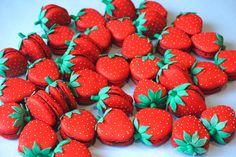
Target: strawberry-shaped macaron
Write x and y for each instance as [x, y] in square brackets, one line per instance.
[171, 75]
[53, 14]
[13, 118]
[60, 91]
[148, 93]
[113, 97]
[226, 61]
[149, 23]
[136, 45]
[189, 22]
[119, 9]
[56, 38]
[184, 59]
[78, 125]
[33, 47]
[44, 108]
[100, 36]
[207, 44]
[114, 67]
[12, 63]
[149, 5]
[120, 29]
[144, 67]
[15, 90]
[184, 100]
[40, 69]
[37, 139]
[190, 136]
[87, 18]
[172, 38]
[85, 83]
[152, 126]
[69, 148]
[208, 77]
[220, 121]
[115, 128]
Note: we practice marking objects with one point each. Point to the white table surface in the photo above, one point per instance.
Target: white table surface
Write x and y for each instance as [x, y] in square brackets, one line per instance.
[218, 15]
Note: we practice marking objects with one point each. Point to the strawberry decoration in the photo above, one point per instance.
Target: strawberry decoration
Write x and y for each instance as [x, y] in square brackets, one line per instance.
[100, 36]
[120, 29]
[85, 83]
[119, 9]
[12, 63]
[15, 90]
[171, 75]
[113, 97]
[136, 45]
[152, 126]
[183, 59]
[33, 47]
[56, 38]
[148, 5]
[78, 125]
[208, 77]
[172, 38]
[13, 118]
[148, 93]
[87, 18]
[53, 14]
[114, 67]
[149, 23]
[37, 139]
[184, 100]
[115, 128]
[189, 22]
[40, 69]
[61, 93]
[226, 61]
[42, 102]
[207, 44]
[190, 136]
[220, 122]
[69, 148]
[144, 67]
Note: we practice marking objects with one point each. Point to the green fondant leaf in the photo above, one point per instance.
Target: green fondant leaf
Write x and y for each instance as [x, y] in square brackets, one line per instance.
[214, 120]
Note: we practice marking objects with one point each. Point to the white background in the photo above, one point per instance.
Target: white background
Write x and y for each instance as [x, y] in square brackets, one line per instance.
[218, 15]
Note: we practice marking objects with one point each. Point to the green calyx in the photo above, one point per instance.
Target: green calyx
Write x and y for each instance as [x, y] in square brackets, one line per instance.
[109, 7]
[51, 83]
[102, 95]
[89, 30]
[2, 86]
[139, 23]
[142, 5]
[192, 145]
[167, 56]
[21, 117]
[148, 56]
[73, 84]
[215, 129]
[42, 20]
[175, 96]
[185, 13]
[220, 41]
[194, 72]
[3, 67]
[160, 36]
[69, 114]
[113, 55]
[218, 61]
[49, 31]
[79, 14]
[162, 67]
[58, 148]
[140, 133]
[23, 37]
[32, 65]
[153, 100]
[37, 151]
[101, 119]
